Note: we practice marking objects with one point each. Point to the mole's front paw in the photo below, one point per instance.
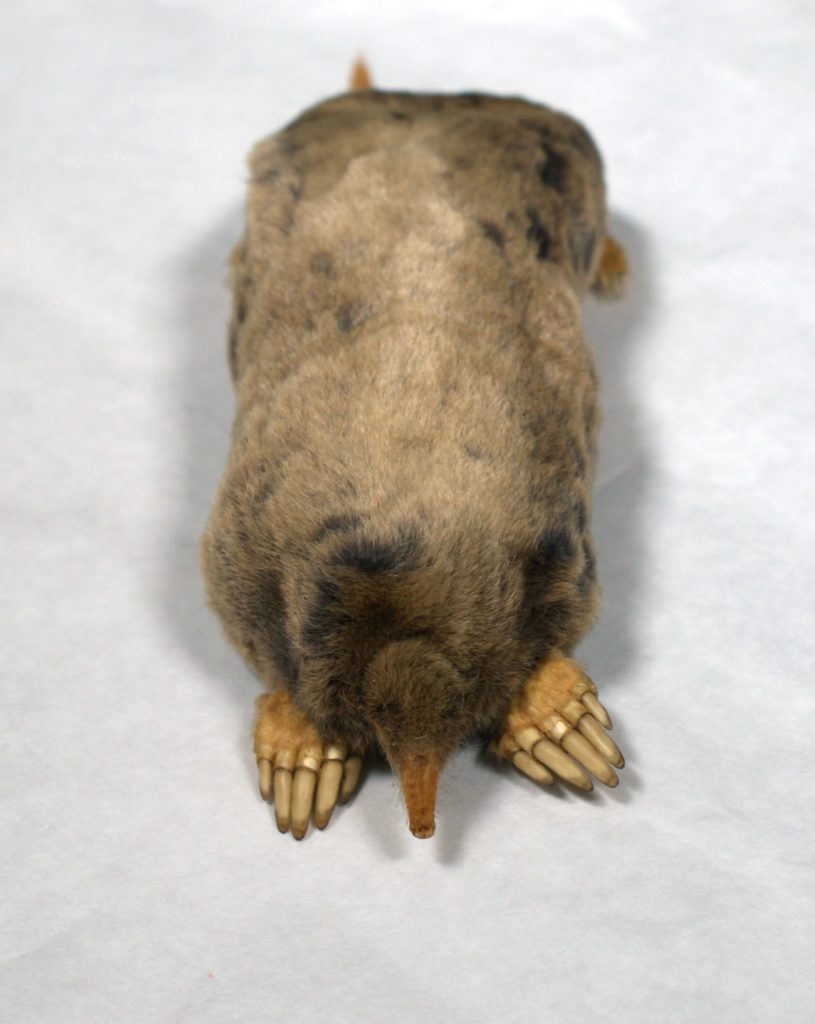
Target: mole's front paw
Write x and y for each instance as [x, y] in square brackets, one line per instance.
[301, 770]
[555, 725]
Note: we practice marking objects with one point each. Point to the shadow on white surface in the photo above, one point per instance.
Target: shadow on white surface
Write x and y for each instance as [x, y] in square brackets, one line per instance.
[204, 404]
[615, 331]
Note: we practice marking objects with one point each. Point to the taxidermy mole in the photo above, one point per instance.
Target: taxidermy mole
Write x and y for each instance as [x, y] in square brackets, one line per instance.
[400, 544]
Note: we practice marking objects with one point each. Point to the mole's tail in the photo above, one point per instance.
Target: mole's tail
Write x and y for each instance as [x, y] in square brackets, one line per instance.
[361, 75]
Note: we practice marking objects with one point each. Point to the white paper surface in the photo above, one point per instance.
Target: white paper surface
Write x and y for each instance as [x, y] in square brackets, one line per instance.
[142, 878]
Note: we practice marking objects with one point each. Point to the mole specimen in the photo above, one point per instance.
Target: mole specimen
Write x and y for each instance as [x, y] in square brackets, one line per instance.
[400, 544]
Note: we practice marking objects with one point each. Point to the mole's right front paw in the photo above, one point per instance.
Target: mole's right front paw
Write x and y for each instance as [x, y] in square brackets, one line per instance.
[556, 726]
[301, 770]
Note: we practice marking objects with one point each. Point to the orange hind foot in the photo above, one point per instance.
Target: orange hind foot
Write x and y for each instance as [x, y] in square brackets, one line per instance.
[609, 278]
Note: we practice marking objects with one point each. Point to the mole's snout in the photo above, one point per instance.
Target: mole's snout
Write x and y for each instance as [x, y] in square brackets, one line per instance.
[419, 775]
[416, 703]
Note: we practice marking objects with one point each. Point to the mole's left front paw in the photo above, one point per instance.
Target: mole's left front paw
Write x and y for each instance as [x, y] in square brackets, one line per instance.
[556, 725]
[304, 772]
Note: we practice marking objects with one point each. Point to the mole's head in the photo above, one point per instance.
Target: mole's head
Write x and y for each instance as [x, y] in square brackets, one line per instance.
[417, 704]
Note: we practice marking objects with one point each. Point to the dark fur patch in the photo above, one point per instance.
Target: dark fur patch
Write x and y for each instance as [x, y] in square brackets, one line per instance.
[399, 115]
[533, 424]
[589, 575]
[555, 596]
[349, 620]
[554, 172]
[352, 315]
[321, 263]
[537, 233]
[493, 232]
[547, 624]
[580, 515]
[545, 446]
[371, 556]
[265, 610]
[336, 524]
[232, 350]
[267, 486]
[325, 615]
[287, 144]
[473, 453]
[555, 547]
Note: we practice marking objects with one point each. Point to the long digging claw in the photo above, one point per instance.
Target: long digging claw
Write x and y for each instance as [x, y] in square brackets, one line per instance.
[282, 798]
[600, 739]
[265, 777]
[527, 764]
[302, 795]
[328, 790]
[353, 769]
[597, 709]
[328, 786]
[555, 727]
[584, 753]
[553, 757]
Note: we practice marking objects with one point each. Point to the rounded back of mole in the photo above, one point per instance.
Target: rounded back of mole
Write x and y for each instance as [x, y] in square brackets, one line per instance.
[416, 406]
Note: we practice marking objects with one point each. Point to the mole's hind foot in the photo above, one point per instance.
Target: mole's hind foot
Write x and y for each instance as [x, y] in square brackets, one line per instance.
[609, 278]
[296, 766]
[555, 727]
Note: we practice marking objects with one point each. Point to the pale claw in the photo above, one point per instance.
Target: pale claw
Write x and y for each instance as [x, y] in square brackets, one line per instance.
[597, 709]
[353, 768]
[533, 769]
[582, 751]
[328, 789]
[283, 767]
[282, 798]
[553, 757]
[302, 797]
[265, 777]
[596, 735]
[328, 786]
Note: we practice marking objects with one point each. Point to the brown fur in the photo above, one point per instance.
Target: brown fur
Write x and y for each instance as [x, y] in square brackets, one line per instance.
[402, 531]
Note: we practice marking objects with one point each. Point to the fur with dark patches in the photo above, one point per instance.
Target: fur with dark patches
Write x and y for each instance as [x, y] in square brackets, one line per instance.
[373, 556]
[554, 170]
[372, 330]
[352, 315]
[336, 524]
[493, 232]
[538, 233]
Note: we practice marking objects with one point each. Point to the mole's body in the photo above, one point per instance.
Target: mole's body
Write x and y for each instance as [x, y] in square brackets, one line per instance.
[400, 546]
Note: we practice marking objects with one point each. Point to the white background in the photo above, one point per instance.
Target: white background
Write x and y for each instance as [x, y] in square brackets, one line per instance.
[142, 878]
